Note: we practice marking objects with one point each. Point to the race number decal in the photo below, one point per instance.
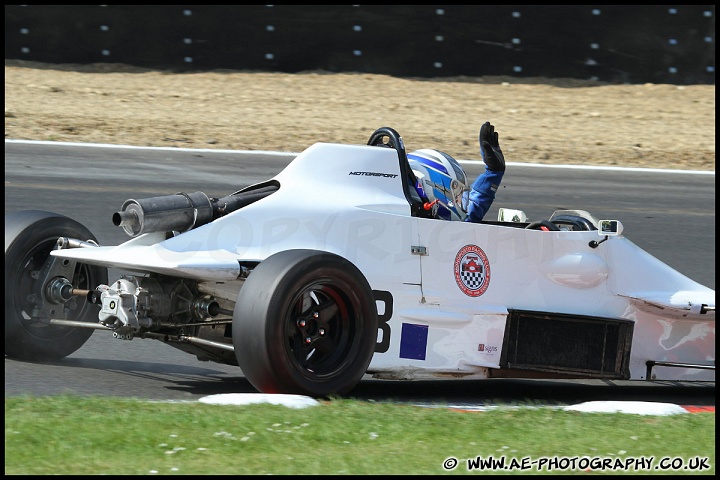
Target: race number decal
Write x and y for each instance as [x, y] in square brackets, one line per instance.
[472, 270]
[383, 328]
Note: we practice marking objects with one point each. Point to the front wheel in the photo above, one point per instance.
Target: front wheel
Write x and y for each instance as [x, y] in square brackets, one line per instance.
[30, 236]
[305, 322]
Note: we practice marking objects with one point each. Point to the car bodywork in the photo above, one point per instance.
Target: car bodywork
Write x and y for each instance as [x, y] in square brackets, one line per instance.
[449, 299]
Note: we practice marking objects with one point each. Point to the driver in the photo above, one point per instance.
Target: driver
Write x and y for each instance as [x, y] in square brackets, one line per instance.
[443, 182]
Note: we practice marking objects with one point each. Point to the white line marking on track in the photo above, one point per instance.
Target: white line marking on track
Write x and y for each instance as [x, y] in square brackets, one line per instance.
[290, 154]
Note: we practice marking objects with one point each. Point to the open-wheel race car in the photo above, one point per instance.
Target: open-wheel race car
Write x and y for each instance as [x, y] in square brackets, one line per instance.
[307, 295]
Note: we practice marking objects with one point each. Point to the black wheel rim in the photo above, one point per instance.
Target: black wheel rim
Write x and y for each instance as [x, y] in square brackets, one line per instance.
[320, 330]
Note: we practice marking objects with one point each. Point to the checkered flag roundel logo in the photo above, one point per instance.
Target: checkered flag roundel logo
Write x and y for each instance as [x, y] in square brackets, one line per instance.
[472, 270]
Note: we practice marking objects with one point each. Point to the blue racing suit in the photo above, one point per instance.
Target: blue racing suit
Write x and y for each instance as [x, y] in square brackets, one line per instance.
[482, 194]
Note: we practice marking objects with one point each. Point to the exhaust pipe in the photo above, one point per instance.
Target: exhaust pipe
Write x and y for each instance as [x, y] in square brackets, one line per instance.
[182, 212]
[179, 212]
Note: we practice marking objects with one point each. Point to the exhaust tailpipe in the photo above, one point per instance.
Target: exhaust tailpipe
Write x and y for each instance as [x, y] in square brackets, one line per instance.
[180, 212]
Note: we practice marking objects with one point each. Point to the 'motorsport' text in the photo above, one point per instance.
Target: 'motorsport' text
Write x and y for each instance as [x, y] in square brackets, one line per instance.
[374, 174]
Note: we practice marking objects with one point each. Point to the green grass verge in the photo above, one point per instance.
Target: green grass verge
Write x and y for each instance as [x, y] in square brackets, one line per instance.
[68, 435]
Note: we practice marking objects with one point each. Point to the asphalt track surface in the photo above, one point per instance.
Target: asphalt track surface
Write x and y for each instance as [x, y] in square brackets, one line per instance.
[669, 214]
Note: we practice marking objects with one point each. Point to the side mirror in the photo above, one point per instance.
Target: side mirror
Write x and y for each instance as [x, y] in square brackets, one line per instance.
[610, 227]
[511, 215]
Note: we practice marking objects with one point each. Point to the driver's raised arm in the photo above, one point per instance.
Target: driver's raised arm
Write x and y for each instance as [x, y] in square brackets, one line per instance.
[482, 193]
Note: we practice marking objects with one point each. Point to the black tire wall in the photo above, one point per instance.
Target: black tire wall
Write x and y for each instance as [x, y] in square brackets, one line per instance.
[672, 44]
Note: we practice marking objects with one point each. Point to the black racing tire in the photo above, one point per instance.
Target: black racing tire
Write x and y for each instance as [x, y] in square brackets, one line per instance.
[544, 225]
[29, 238]
[278, 342]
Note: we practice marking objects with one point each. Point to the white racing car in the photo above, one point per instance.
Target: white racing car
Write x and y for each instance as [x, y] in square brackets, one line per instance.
[308, 288]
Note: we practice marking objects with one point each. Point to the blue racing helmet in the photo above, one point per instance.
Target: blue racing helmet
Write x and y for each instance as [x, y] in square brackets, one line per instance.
[441, 180]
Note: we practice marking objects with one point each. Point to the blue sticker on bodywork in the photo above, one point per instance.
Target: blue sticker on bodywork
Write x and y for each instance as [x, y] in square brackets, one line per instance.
[413, 341]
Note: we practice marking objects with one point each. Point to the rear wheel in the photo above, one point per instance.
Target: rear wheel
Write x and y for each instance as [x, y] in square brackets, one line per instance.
[305, 322]
[30, 236]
